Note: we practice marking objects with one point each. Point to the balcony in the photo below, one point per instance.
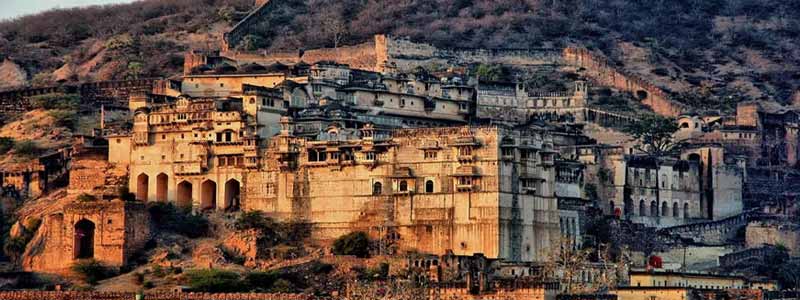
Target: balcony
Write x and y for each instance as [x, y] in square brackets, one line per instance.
[189, 167]
[465, 157]
[465, 187]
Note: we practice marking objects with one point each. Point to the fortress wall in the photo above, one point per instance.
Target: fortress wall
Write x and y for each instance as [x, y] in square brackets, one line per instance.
[407, 55]
[109, 93]
[361, 56]
[42, 295]
[604, 73]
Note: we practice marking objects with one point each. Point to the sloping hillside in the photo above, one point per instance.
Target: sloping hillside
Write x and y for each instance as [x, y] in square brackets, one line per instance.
[707, 53]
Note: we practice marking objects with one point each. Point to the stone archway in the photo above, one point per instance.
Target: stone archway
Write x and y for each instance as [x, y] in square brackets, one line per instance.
[162, 182]
[185, 195]
[208, 195]
[232, 194]
[84, 239]
[142, 187]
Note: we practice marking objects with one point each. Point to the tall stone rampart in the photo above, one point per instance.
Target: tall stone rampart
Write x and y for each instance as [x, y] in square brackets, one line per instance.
[41, 295]
[246, 25]
[604, 73]
[361, 56]
[716, 232]
[406, 55]
[113, 93]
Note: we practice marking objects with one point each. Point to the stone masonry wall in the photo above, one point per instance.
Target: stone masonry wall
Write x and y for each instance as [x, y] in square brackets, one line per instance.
[361, 56]
[93, 94]
[40, 295]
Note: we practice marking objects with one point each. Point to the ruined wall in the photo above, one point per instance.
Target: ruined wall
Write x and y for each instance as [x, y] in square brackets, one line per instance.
[713, 232]
[120, 229]
[41, 295]
[405, 55]
[459, 291]
[773, 233]
[112, 94]
[361, 56]
[604, 73]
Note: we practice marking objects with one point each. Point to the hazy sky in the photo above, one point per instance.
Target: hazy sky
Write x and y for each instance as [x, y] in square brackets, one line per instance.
[13, 8]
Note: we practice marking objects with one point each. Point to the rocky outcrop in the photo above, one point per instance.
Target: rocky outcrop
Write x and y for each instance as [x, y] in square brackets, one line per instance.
[208, 255]
[12, 75]
[245, 244]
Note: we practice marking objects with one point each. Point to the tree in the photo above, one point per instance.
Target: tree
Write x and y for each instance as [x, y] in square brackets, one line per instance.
[789, 274]
[355, 243]
[566, 262]
[493, 72]
[135, 69]
[655, 135]
[6, 144]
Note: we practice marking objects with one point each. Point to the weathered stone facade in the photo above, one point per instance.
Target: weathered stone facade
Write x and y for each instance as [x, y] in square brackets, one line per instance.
[109, 232]
[773, 233]
[470, 190]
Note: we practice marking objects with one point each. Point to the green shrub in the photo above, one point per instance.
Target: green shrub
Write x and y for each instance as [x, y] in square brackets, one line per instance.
[64, 118]
[214, 281]
[255, 220]
[148, 285]
[6, 144]
[355, 243]
[125, 195]
[282, 286]
[261, 281]
[169, 218]
[91, 271]
[56, 101]
[267, 227]
[14, 247]
[271, 232]
[27, 148]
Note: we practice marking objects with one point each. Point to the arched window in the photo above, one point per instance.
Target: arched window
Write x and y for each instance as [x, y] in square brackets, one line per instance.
[403, 186]
[642, 210]
[686, 210]
[675, 209]
[664, 209]
[653, 208]
[377, 188]
[429, 186]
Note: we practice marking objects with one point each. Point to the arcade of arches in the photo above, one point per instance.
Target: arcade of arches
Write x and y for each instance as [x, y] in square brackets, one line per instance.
[185, 196]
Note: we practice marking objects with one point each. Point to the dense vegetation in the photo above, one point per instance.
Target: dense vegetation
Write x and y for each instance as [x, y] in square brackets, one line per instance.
[717, 50]
[169, 218]
[355, 243]
[292, 280]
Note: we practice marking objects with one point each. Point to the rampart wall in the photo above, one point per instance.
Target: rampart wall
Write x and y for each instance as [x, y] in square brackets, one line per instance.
[41, 295]
[714, 232]
[240, 30]
[406, 55]
[731, 259]
[361, 56]
[604, 73]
